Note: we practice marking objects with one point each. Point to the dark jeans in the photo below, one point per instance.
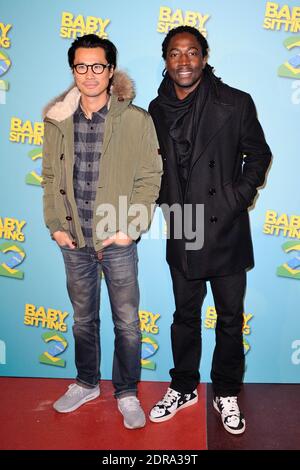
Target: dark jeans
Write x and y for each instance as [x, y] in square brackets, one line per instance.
[84, 271]
[228, 359]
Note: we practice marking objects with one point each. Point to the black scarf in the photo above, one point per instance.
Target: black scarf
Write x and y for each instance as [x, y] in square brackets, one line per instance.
[182, 118]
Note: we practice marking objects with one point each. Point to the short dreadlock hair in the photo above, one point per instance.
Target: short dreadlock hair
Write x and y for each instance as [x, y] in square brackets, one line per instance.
[185, 29]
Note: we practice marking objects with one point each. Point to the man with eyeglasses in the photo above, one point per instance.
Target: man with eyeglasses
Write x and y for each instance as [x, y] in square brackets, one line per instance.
[98, 148]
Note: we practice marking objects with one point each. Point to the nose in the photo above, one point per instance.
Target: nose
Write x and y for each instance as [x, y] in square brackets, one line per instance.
[89, 73]
[183, 59]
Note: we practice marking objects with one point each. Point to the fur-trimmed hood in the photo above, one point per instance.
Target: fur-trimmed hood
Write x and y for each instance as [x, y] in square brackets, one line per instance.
[64, 105]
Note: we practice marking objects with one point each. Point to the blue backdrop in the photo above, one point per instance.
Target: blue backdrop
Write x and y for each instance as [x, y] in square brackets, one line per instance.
[254, 46]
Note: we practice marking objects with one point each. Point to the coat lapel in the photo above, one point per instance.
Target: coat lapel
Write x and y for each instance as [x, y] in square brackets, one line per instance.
[214, 116]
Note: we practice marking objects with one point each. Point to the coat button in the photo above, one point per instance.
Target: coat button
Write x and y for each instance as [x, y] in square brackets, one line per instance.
[62, 156]
[68, 217]
[212, 163]
[212, 191]
[62, 191]
[213, 219]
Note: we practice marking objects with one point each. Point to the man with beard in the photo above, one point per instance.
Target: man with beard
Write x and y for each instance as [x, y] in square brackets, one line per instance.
[214, 154]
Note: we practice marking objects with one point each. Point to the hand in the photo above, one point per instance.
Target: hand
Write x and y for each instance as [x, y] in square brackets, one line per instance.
[63, 239]
[118, 238]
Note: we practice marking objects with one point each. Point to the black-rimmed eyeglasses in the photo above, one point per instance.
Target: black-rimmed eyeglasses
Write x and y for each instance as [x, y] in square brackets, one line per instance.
[96, 68]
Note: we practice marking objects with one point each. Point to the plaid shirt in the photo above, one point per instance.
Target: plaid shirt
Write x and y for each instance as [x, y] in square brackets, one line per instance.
[88, 140]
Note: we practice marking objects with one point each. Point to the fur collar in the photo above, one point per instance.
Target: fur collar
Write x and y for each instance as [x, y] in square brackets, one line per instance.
[63, 106]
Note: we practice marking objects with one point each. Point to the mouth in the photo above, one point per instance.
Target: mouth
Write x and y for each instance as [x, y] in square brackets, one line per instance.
[90, 84]
[184, 73]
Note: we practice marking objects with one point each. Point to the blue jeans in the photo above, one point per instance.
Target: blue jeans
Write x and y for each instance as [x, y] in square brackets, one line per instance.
[84, 271]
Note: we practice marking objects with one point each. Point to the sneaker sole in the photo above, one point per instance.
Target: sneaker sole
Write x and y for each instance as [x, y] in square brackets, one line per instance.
[80, 403]
[134, 427]
[231, 431]
[171, 415]
[127, 426]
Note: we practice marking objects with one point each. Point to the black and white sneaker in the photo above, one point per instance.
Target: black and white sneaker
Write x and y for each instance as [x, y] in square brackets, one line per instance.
[171, 403]
[232, 419]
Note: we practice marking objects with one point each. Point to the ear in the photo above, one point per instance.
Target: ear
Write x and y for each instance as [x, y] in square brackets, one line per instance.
[205, 59]
[111, 71]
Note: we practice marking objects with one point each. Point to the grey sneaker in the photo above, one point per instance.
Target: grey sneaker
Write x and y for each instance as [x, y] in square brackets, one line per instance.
[74, 397]
[134, 416]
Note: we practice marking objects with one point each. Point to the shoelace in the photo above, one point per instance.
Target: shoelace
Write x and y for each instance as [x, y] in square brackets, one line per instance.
[169, 397]
[229, 405]
[74, 389]
[131, 404]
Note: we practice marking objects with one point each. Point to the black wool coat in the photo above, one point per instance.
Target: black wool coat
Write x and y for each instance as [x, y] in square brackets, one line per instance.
[229, 163]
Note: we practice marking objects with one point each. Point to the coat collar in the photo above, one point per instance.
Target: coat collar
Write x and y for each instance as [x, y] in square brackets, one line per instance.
[64, 106]
[217, 111]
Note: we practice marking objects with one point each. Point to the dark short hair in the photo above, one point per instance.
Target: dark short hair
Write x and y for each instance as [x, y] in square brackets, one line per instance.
[92, 41]
[185, 29]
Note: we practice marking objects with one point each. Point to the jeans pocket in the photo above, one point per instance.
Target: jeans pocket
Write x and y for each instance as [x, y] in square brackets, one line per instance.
[66, 247]
[120, 263]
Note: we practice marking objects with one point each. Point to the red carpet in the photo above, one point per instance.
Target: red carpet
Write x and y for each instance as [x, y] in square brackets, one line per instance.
[28, 420]
[272, 414]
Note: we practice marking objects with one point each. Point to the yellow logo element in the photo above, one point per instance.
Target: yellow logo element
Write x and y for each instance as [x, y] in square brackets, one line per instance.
[285, 225]
[149, 348]
[291, 268]
[35, 176]
[4, 40]
[72, 26]
[169, 19]
[247, 346]
[211, 320]
[26, 132]
[11, 229]
[57, 344]
[148, 322]
[285, 17]
[15, 257]
[5, 64]
[290, 68]
[149, 344]
[50, 318]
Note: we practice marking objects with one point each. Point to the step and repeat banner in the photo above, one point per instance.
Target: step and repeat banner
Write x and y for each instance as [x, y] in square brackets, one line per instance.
[254, 46]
